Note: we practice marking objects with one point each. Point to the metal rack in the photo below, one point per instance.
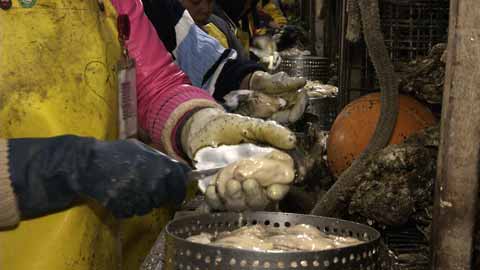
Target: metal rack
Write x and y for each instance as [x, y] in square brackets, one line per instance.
[408, 249]
[411, 29]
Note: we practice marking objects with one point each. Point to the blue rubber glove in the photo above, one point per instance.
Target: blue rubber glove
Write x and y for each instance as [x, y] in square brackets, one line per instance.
[127, 177]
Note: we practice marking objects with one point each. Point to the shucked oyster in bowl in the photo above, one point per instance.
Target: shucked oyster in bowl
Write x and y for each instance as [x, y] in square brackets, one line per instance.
[301, 237]
[269, 240]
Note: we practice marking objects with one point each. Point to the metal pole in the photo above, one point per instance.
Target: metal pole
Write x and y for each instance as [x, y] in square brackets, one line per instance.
[319, 23]
[344, 61]
[456, 194]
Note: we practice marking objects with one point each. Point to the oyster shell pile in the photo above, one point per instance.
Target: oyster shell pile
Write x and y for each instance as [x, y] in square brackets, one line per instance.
[398, 187]
[425, 77]
[398, 183]
[397, 191]
[301, 237]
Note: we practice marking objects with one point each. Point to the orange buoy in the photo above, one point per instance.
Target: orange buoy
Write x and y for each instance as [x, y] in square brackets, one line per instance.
[355, 125]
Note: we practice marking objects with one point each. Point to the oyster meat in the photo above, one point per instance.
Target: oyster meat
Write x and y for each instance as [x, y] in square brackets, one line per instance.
[301, 237]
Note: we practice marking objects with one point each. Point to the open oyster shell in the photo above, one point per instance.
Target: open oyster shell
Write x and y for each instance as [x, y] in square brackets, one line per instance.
[218, 157]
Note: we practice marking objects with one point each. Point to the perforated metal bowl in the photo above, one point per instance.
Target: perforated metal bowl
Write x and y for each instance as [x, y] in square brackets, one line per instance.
[185, 255]
[309, 67]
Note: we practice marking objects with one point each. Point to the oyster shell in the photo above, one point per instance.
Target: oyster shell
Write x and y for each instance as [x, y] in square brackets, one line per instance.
[398, 182]
[425, 77]
[317, 89]
[218, 157]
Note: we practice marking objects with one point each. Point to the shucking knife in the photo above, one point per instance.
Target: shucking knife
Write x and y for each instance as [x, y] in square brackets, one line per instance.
[195, 175]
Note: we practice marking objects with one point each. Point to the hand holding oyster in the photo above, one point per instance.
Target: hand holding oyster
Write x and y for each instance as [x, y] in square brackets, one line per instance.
[286, 108]
[252, 183]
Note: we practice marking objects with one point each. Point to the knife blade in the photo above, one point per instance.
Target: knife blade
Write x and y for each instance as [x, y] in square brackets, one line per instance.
[201, 174]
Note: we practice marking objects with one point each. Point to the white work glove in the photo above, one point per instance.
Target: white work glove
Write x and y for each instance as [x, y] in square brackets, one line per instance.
[265, 48]
[215, 127]
[251, 184]
[282, 110]
[293, 113]
[274, 84]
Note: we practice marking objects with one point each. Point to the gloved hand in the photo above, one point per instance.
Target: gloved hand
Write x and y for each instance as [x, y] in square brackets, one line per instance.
[294, 112]
[288, 37]
[282, 110]
[265, 48]
[127, 177]
[214, 127]
[265, 43]
[252, 183]
[272, 61]
[274, 84]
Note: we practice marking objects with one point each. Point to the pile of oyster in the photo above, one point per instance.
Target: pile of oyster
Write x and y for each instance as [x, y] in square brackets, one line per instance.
[397, 185]
[425, 77]
[396, 191]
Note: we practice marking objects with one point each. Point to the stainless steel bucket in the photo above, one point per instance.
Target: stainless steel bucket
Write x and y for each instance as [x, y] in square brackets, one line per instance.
[309, 67]
[185, 255]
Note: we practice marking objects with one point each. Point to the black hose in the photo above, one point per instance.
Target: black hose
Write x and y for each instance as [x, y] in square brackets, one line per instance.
[339, 195]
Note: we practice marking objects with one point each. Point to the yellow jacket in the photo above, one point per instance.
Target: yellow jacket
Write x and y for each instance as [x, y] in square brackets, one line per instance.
[58, 76]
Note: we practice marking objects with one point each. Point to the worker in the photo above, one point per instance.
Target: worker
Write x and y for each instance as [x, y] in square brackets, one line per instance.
[58, 77]
[222, 30]
[210, 66]
[275, 12]
[241, 14]
[289, 7]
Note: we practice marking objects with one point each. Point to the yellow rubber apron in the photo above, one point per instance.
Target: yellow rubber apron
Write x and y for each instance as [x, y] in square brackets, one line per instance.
[57, 76]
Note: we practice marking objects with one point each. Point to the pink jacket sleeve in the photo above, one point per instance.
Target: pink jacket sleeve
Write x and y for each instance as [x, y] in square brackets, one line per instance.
[164, 92]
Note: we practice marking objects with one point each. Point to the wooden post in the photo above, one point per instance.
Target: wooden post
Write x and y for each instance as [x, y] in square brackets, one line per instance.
[456, 194]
